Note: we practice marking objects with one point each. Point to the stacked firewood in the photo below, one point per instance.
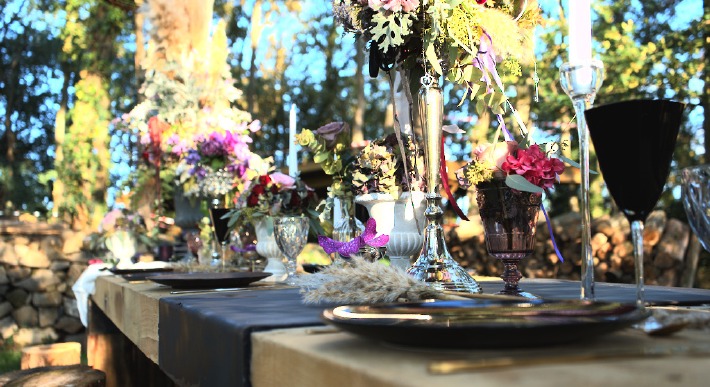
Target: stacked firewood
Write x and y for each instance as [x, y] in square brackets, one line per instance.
[670, 251]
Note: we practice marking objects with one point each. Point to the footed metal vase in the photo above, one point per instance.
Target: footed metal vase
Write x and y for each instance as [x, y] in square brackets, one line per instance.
[435, 266]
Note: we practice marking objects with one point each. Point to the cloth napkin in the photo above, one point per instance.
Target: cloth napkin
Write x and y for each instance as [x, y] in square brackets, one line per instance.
[85, 285]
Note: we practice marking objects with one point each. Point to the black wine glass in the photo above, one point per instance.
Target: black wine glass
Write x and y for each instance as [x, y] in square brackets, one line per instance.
[634, 142]
[220, 227]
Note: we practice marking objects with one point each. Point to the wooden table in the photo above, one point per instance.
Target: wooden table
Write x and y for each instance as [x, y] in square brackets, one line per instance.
[128, 316]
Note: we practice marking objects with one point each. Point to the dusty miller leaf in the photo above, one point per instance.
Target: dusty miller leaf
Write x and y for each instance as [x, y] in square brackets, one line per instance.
[521, 184]
[389, 31]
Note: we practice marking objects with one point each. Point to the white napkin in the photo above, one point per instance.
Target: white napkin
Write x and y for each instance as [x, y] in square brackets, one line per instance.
[85, 285]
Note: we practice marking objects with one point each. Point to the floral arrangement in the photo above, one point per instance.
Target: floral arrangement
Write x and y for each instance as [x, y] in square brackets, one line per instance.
[455, 37]
[216, 165]
[523, 169]
[274, 194]
[330, 146]
[380, 167]
[188, 98]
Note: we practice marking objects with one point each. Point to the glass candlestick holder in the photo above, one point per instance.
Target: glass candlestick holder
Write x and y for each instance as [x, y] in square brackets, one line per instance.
[581, 83]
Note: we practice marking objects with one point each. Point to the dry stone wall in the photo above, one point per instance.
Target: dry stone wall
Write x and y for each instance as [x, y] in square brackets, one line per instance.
[38, 265]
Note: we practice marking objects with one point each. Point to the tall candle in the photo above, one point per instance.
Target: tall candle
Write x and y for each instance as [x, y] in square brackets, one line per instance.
[292, 159]
[580, 32]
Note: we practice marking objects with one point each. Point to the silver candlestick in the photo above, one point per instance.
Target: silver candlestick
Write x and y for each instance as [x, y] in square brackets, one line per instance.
[435, 266]
[581, 83]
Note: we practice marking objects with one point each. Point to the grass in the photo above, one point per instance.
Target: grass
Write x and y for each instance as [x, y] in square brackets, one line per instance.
[9, 357]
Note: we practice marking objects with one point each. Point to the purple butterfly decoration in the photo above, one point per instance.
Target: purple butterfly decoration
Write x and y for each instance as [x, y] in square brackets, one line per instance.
[247, 248]
[369, 238]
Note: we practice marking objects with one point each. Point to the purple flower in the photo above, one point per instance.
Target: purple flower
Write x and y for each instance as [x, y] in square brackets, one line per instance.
[193, 157]
[331, 131]
[213, 146]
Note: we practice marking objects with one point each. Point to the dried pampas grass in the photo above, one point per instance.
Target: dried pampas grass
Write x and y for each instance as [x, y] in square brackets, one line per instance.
[364, 282]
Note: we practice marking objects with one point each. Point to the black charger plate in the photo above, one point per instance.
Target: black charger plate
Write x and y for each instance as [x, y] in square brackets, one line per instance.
[208, 280]
[484, 323]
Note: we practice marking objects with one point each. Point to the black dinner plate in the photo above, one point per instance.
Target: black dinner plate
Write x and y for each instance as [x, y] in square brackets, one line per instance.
[118, 271]
[208, 280]
[139, 274]
[484, 323]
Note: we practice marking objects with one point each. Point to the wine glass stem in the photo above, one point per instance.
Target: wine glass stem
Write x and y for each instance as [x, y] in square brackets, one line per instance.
[291, 270]
[587, 291]
[511, 276]
[223, 253]
[637, 236]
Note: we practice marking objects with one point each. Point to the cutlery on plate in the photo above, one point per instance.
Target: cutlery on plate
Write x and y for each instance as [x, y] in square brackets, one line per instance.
[212, 290]
[444, 367]
[208, 290]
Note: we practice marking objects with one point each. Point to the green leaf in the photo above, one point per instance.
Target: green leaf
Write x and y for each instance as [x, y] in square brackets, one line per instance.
[476, 74]
[575, 164]
[480, 106]
[433, 59]
[320, 157]
[467, 72]
[475, 88]
[521, 184]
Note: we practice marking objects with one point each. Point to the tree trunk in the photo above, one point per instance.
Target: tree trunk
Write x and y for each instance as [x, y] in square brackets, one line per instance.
[358, 135]
[139, 20]
[60, 124]
[256, 30]
[10, 138]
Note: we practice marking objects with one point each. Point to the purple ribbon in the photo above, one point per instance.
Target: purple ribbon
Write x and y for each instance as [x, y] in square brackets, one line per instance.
[552, 235]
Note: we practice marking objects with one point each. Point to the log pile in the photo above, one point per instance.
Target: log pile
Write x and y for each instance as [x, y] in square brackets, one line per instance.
[669, 251]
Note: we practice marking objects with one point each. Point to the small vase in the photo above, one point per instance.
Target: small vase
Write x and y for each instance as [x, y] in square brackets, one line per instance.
[401, 219]
[266, 247]
[509, 221]
[344, 225]
[187, 212]
[122, 245]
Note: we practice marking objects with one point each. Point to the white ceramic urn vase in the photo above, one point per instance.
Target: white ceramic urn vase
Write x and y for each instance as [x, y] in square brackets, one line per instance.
[402, 219]
[266, 247]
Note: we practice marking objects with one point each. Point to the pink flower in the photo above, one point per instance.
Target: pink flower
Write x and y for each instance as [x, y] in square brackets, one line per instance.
[534, 166]
[394, 5]
[496, 153]
[95, 261]
[255, 126]
[284, 181]
[108, 223]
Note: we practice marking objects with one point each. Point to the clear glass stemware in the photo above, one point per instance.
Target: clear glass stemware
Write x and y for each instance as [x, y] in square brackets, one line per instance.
[695, 183]
[291, 234]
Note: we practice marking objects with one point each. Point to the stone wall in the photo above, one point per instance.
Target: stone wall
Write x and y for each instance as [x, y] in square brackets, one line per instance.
[670, 251]
[38, 265]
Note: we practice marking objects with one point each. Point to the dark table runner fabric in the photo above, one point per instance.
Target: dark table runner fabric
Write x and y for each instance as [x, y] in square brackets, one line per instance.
[570, 290]
[205, 339]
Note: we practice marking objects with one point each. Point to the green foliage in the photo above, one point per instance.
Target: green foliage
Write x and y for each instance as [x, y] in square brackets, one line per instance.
[85, 167]
[28, 63]
[9, 356]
